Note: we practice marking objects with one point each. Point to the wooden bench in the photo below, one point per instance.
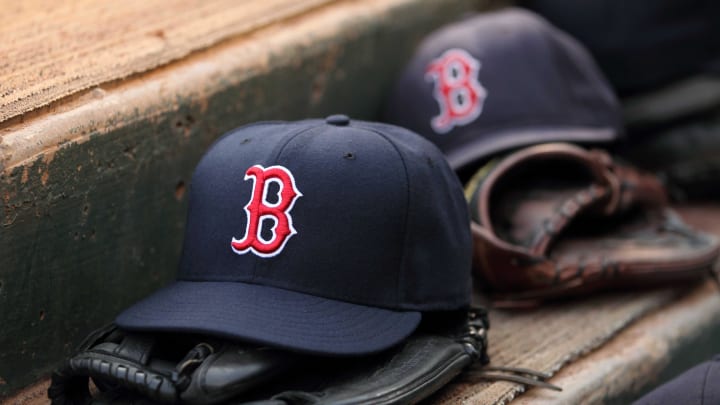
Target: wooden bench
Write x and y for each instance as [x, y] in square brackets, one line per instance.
[104, 112]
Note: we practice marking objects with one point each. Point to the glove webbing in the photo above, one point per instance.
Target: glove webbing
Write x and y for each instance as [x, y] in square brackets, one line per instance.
[126, 365]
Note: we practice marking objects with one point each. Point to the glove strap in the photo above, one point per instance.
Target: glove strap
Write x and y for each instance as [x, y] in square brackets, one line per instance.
[475, 343]
[474, 339]
[181, 376]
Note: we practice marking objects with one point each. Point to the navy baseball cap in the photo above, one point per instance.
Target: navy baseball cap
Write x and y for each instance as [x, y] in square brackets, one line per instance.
[696, 386]
[502, 80]
[327, 237]
[642, 44]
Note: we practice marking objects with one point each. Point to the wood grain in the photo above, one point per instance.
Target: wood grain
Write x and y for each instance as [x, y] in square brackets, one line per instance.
[548, 338]
[52, 49]
[657, 347]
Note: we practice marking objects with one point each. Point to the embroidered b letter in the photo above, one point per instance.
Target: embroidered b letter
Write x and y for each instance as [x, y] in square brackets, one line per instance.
[259, 210]
[457, 89]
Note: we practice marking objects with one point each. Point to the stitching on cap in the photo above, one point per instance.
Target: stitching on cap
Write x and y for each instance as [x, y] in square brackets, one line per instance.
[274, 160]
[403, 264]
[704, 384]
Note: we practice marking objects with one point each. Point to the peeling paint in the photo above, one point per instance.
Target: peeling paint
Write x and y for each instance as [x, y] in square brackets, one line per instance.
[48, 156]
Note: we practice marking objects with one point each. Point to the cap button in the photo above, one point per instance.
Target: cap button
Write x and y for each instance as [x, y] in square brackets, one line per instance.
[339, 120]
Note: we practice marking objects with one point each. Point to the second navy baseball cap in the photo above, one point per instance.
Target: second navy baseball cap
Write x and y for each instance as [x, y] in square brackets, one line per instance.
[502, 80]
[328, 237]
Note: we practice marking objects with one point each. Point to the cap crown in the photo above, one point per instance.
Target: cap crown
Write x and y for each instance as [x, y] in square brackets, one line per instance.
[376, 216]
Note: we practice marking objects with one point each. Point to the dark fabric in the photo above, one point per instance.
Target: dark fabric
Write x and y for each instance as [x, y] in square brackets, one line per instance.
[262, 314]
[379, 219]
[698, 386]
[535, 84]
[642, 44]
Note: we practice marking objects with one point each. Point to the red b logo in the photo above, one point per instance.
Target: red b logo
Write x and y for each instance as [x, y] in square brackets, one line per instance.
[259, 209]
[457, 89]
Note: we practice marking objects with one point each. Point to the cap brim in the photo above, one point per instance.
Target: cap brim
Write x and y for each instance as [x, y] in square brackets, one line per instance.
[272, 316]
[487, 145]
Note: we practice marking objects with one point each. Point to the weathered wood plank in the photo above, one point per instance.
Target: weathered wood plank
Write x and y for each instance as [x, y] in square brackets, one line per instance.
[653, 350]
[35, 394]
[51, 49]
[92, 190]
[550, 337]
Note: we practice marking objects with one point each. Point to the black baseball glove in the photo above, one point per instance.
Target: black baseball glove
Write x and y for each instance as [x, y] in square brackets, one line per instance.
[143, 368]
[163, 368]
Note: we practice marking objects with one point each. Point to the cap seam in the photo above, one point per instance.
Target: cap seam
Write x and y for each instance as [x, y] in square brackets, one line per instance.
[228, 134]
[457, 156]
[419, 306]
[530, 125]
[403, 261]
[274, 160]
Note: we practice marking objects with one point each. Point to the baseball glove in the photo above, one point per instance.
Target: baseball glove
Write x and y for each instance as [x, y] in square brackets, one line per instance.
[163, 367]
[444, 346]
[132, 368]
[555, 220]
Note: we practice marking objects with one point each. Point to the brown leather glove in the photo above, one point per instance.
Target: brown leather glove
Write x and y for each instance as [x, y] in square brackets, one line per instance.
[555, 220]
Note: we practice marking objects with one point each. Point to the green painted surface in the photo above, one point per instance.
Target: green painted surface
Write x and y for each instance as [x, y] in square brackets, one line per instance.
[99, 225]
